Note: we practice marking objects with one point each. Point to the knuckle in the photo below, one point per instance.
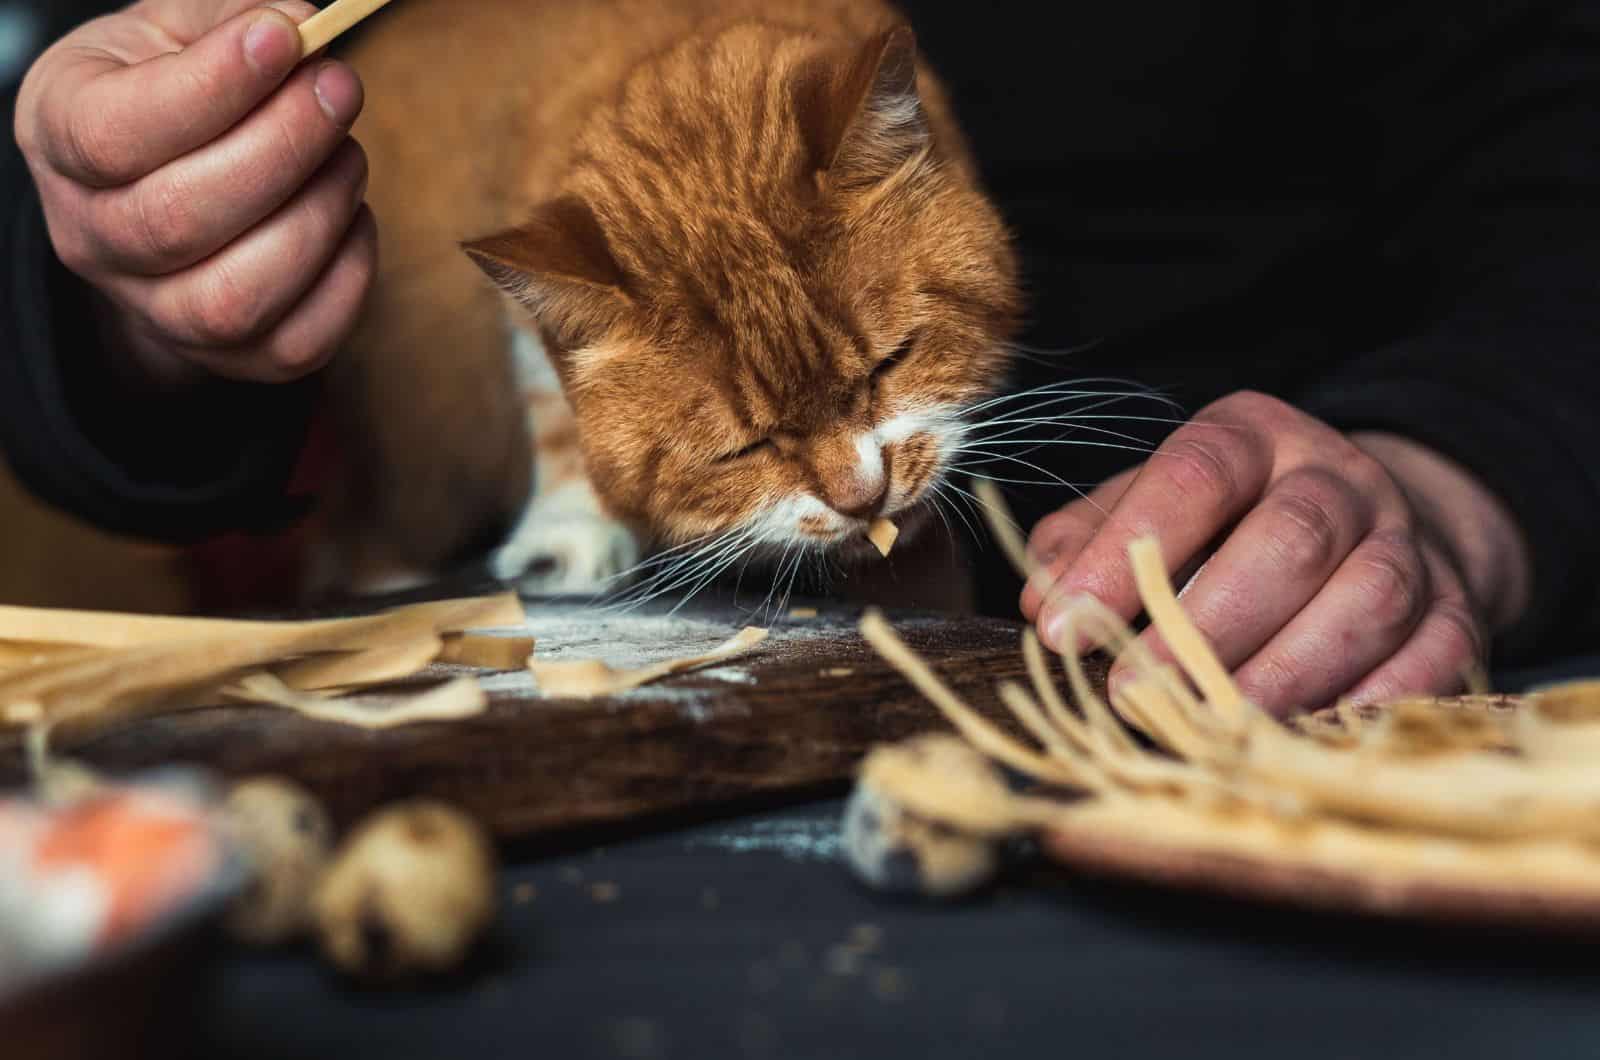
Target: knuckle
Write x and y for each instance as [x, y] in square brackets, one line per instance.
[1250, 406]
[92, 145]
[291, 359]
[74, 249]
[1460, 635]
[1310, 518]
[166, 221]
[1361, 468]
[1204, 470]
[1393, 582]
[224, 312]
[1057, 531]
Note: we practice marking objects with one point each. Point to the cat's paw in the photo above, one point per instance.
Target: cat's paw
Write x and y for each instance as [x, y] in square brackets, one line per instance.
[565, 545]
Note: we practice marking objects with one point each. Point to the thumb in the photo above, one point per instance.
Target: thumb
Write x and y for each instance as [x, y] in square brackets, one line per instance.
[106, 123]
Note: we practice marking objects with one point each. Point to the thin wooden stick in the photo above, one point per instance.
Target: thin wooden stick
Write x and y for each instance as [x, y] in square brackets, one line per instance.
[327, 25]
[992, 504]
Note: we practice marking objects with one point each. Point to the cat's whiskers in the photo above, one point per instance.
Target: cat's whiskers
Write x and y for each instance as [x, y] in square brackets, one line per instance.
[1076, 389]
[946, 492]
[711, 556]
[777, 577]
[668, 559]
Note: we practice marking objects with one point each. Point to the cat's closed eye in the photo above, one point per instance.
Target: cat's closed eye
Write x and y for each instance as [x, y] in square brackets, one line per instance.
[753, 448]
[898, 354]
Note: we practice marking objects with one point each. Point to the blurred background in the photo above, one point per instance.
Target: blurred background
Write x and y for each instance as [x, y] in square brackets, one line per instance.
[19, 33]
[51, 559]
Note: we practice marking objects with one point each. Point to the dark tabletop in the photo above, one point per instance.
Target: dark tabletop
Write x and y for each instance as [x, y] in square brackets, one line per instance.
[745, 937]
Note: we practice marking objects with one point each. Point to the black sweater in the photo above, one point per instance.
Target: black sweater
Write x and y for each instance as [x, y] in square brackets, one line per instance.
[1387, 214]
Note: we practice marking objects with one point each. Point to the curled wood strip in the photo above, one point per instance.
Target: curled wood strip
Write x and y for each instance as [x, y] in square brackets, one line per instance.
[591, 678]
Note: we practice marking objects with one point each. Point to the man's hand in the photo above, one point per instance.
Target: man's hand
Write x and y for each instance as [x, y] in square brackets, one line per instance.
[205, 184]
[1322, 565]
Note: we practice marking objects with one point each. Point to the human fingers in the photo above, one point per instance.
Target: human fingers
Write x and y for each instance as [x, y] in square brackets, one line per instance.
[1448, 645]
[104, 122]
[1056, 540]
[305, 339]
[1273, 564]
[1369, 608]
[1201, 480]
[193, 207]
[232, 299]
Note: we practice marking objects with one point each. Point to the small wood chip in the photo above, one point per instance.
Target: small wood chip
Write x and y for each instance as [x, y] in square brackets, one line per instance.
[485, 652]
[882, 533]
[802, 612]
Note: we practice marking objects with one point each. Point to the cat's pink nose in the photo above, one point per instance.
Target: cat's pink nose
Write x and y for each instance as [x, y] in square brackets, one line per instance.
[857, 496]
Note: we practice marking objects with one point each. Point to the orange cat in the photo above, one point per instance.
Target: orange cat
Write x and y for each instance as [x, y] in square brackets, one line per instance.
[744, 284]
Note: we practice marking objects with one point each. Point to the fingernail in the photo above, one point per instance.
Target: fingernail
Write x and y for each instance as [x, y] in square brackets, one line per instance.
[1115, 680]
[1050, 631]
[271, 45]
[339, 93]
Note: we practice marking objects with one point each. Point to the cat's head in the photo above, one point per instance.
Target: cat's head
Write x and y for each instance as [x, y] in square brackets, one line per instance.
[771, 289]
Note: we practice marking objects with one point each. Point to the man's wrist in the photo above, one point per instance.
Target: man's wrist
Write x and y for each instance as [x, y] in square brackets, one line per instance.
[1470, 521]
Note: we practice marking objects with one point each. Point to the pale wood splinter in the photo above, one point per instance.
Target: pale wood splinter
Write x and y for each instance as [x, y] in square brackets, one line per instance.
[882, 533]
[332, 22]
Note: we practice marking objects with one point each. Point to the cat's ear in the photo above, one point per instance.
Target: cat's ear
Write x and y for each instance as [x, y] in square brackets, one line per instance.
[559, 266]
[859, 109]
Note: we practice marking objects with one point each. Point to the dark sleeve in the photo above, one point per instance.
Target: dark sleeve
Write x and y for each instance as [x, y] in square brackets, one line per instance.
[174, 467]
[1490, 162]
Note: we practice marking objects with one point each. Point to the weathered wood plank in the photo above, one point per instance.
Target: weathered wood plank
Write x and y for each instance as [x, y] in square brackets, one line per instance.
[784, 718]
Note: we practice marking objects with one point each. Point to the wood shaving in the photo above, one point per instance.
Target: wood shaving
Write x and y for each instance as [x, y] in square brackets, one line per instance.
[883, 534]
[1005, 529]
[1420, 791]
[486, 653]
[105, 629]
[592, 678]
[389, 662]
[461, 698]
[98, 668]
[802, 612]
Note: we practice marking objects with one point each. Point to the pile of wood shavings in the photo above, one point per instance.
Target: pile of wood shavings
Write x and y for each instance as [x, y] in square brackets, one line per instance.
[1180, 759]
[89, 669]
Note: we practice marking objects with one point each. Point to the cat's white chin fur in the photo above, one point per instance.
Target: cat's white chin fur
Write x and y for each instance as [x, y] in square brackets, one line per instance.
[565, 545]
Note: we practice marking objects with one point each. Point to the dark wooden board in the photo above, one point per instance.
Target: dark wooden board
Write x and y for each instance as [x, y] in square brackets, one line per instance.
[771, 722]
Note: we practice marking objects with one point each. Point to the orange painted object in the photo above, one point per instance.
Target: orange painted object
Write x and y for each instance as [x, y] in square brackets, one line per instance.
[82, 880]
[149, 852]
